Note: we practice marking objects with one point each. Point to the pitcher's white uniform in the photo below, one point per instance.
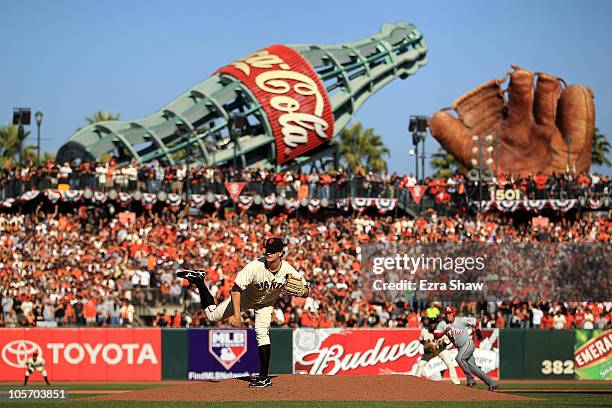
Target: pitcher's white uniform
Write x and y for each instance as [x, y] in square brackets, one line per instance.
[260, 289]
[38, 365]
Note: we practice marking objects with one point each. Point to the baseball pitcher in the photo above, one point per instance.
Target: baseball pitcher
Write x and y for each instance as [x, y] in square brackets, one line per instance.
[258, 286]
[458, 330]
[35, 363]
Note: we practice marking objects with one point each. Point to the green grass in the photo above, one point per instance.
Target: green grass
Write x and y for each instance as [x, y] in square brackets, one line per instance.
[573, 385]
[573, 400]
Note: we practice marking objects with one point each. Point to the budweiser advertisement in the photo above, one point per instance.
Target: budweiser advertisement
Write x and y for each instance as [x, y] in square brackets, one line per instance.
[379, 351]
[91, 354]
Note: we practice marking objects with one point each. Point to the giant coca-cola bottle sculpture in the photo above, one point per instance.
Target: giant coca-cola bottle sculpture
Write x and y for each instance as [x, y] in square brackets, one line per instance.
[293, 99]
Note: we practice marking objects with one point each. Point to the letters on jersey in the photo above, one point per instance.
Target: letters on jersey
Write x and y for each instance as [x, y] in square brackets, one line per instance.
[259, 285]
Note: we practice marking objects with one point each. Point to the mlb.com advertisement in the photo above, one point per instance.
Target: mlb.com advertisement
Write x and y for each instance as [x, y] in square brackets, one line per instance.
[90, 354]
[221, 354]
[395, 351]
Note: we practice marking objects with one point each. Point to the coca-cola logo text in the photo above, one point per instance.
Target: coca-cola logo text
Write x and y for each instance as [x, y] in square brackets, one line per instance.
[294, 124]
[292, 95]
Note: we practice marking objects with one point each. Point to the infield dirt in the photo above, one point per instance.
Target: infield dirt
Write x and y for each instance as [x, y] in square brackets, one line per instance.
[315, 388]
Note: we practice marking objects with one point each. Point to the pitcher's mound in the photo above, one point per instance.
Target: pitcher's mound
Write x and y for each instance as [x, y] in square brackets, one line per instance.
[316, 388]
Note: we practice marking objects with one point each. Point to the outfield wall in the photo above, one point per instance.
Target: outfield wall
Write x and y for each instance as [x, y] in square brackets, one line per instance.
[537, 354]
[153, 354]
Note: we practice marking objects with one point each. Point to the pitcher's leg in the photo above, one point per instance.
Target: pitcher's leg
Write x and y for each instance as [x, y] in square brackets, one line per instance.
[222, 311]
[206, 298]
[196, 277]
[263, 319]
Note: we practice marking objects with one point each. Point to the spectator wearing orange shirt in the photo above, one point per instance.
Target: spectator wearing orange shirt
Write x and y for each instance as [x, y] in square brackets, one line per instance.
[325, 181]
[413, 320]
[500, 322]
[569, 321]
[308, 319]
[325, 321]
[547, 321]
[177, 319]
[90, 312]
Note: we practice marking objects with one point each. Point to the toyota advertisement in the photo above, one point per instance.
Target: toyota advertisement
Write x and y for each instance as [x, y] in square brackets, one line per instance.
[90, 354]
[351, 352]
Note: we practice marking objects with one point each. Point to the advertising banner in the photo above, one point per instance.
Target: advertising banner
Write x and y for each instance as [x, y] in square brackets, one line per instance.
[593, 354]
[87, 354]
[292, 95]
[216, 354]
[384, 351]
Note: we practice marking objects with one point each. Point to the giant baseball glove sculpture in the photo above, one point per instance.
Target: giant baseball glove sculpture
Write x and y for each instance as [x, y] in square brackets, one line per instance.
[534, 127]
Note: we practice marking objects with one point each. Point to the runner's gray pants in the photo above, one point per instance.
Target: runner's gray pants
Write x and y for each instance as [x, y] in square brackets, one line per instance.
[465, 359]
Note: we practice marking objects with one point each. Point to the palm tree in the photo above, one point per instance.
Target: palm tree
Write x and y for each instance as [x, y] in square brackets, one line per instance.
[100, 116]
[361, 148]
[48, 156]
[12, 144]
[444, 163]
[600, 149]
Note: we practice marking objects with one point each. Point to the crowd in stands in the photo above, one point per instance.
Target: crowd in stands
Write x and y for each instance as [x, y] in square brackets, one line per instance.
[86, 267]
[153, 177]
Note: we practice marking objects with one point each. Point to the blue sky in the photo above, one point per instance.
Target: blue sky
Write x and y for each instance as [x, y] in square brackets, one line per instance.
[71, 58]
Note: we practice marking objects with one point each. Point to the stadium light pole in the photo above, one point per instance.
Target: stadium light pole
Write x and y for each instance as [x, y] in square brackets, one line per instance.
[235, 123]
[568, 141]
[423, 154]
[418, 127]
[412, 152]
[21, 118]
[38, 116]
[188, 175]
[187, 133]
[480, 147]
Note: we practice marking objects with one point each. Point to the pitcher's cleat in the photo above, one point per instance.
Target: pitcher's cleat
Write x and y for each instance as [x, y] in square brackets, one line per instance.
[471, 385]
[493, 388]
[192, 275]
[261, 382]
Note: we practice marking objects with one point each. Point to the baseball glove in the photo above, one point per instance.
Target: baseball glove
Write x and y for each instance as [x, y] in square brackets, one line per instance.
[431, 347]
[294, 286]
[531, 131]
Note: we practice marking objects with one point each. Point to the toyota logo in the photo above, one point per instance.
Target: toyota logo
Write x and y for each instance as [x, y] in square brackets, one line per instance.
[16, 352]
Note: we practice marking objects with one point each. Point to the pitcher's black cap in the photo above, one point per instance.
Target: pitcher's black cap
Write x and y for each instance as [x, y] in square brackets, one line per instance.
[274, 245]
